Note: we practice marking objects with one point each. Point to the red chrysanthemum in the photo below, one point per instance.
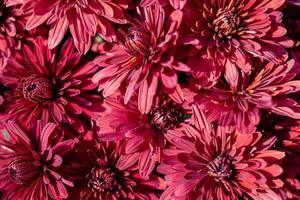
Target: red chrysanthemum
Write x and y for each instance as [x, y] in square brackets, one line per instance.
[83, 18]
[233, 32]
[143, 134]
[207, 163]
[99, 173]
[145, 59]
[268, 89]
[30, 163]
[12, 28]
[52, 86]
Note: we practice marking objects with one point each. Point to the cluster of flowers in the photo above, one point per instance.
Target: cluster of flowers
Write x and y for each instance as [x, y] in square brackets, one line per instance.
[150, 99]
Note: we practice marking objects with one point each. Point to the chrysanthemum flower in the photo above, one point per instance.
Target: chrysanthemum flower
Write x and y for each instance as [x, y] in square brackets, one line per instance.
[143, 134]
[30, 163]
[207, 163]
[232, 32]
[83, 18]
[100, 173]
[240, 107]
[145, 60]
[12, 28]
[51, 85]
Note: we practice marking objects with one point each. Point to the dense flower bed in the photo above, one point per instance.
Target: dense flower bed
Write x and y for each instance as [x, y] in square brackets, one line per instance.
[150, 99]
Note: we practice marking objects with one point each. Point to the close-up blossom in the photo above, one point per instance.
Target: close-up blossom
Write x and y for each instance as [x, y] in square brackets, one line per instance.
[30, 162]
[143, 134]
[208, 163]
[145, 61]
[83, 18]
[232, 32]
[240, 107]
[51, 85]
[99, 172]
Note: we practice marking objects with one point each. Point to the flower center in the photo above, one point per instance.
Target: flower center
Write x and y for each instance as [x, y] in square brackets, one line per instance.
[220, 168]
[226, 23]
[103, 180]
[23, 170]
[138, 41]
[165, 118]
[37, 89]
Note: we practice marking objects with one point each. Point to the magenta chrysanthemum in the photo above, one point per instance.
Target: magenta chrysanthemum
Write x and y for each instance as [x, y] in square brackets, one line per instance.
[233, 32]
[101, 173]
[208, 163]
[30, 163]
[83, 18]
[268, 89]
[52, 86]
[145, 61]
[143, 134]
